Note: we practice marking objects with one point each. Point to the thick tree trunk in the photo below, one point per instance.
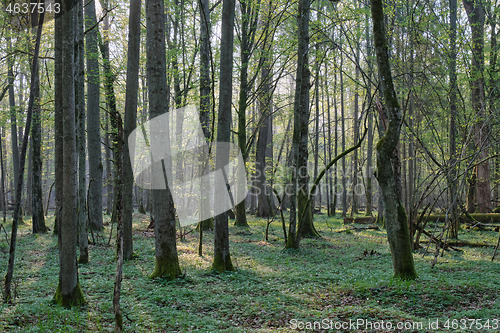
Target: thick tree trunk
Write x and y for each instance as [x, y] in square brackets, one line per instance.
[93, 118]
[481, 128]
[132, 90]
[394, 212]
[300, 210]
[166, 258]
[222, 257]
[68, 291]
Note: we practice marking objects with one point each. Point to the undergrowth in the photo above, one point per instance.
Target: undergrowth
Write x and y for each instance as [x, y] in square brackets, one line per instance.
[346, 275]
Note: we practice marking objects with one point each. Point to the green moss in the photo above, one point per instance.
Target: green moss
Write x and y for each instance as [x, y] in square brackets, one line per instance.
[166, 268]
[75, 298]
[220, 265]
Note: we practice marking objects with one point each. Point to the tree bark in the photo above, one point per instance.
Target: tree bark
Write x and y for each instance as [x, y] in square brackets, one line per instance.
[13, 122]
[222, 257]
[22, 161]
[205, 92]
[2, 174]
[58, 122]
[264, 204]
[68, 291]
[342, 124]
[246, 11]
[38, 218]
[131, 96]
[481, 128]
[166, 258]
[83, 242]
[394, 212]
[93, 118]
[452, 181]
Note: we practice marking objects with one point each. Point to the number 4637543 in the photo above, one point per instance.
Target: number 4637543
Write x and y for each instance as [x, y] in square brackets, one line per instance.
[32, 7]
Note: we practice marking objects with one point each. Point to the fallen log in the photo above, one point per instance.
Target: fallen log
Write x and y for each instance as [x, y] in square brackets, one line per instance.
[361, 220]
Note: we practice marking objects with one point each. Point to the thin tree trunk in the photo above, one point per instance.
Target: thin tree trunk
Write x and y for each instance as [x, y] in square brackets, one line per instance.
[2, 174]
[17, 205]
[245, 5]
[452, 181]
[355, 162]
[342, 122]
[58, 124]
[13, 121]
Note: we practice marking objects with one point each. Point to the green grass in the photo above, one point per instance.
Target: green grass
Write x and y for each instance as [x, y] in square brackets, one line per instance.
[337, 278]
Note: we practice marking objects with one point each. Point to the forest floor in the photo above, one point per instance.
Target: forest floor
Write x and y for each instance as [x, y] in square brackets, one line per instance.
[341, 280]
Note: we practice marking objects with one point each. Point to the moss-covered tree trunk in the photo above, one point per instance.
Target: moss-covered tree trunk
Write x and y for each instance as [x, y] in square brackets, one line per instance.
[166, 258]
[394, 212]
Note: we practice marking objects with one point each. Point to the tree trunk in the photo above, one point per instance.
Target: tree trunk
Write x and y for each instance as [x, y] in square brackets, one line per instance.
[394, 212]
[13, 122]
[369, 101]
[22, 161]
[68, 291]
[342, 122]
[452, 181]
[93, 118]
[264, 195]
[205, 89]
[355, 162]
[316, 200]
[166, 258]
[58, 123]
[481, 128]
[246, 10]
[2, 174]
[222, 257]
[38, 218]
[132, 90]
[83, 242]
